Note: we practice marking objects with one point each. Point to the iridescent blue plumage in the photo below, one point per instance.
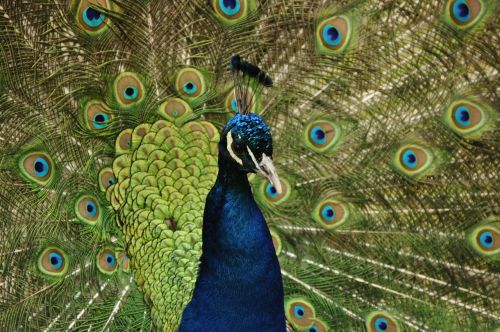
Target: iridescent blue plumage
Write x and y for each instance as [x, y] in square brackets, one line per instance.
[239, 286]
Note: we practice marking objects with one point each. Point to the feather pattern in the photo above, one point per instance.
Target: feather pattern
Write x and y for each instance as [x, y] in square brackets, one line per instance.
[385, 135]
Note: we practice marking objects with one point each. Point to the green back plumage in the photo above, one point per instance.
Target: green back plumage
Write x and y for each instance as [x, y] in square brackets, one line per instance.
[384, 120]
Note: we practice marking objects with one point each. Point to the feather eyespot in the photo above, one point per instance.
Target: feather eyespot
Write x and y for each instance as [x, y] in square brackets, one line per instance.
[464, 13]
[87, 210]
[124, 141]
[128, 89]
[98, 115]
[90, 18]
[485, 239]
[413, 160]
[467, 118]
[106, 178]
[106, 261]
[318, 326]
[330, 213]
[53, 262]
[322, 136]
[268, 194]
[333, 35]
[299, 313]
[381, 322]
[231, 11]
[231, 102]
[175, 110]
[37, 167]
[190, 83]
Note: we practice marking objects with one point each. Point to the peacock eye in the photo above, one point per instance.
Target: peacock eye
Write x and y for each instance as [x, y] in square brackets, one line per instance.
[229, 7]
[464, 13]
[100, 120]
[330, 213]
[130, 93]
[38, 167]
[271, 191]
[110, 259]
[52, 262]
[92, 17]
[379, 321]
[299, 311]
[413, 159]
[486, 239]
[190, 83]
[322, 136]
[409, 158]
[87, 210]
[381, 324]
[190, 88]
[467, 118]
[313, 329]
[128, 89]
[56, 260]
[333, 34]
[106, 261]
[41, 167]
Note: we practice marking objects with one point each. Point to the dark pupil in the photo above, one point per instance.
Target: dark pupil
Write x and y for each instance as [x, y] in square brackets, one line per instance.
[190, 86]
[109, 259]
[488, 239]
[39, 166]
[464, 116]
[54, 260]
[110, 181]
[300, 312]
[329, 213]
[129, 91]
[382, 325]
[93, 14]
[90, 208]
[412, 158]
[320, 134]
[333, 33]
[273, 190]
[230, 3]
[99, 118]
[463, 10]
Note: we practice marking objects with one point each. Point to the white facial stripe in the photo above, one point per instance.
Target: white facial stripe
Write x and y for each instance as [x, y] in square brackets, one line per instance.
[253, 159]
[230, 149]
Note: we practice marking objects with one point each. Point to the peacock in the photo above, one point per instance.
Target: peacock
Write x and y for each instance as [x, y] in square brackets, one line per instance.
[359, 137]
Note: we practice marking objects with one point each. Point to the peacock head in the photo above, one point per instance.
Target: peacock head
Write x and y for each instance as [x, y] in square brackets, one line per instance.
[246, 143]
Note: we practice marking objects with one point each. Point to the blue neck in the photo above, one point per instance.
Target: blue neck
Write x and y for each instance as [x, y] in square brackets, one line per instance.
[239, 286]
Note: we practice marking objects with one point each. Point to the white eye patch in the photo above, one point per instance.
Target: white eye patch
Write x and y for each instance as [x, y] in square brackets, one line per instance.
[230, 149]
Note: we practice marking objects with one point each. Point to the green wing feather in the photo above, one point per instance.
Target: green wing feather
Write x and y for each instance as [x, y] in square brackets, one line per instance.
[384, 121]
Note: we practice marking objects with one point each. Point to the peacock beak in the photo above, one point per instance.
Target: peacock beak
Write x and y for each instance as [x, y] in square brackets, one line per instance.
[267, 170]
